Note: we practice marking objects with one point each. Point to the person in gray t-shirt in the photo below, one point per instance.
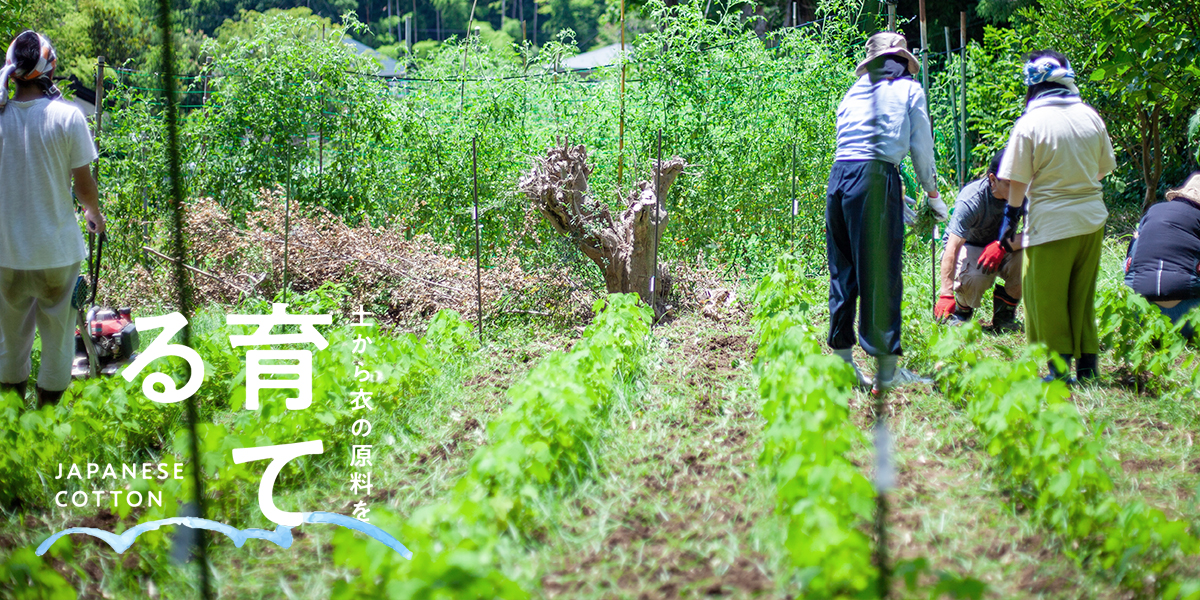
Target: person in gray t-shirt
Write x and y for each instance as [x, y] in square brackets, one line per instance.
[978, 213]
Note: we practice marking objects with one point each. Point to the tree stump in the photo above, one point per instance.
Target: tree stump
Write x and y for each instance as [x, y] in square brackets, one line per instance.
[624, 247]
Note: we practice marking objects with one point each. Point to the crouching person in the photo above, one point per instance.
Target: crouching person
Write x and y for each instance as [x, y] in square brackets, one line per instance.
[969, 268]
[1164, 258]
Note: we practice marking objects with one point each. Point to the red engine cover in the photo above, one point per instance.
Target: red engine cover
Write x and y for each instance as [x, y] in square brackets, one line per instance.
[111, 327]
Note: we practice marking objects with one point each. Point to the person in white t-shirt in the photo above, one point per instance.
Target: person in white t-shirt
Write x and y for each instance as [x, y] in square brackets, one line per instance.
[1057, 154]
[44, 146]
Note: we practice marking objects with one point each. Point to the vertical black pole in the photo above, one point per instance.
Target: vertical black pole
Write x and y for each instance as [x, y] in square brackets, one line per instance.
[878, 184]
[882, 484]
[181, 275]
[962, 66]
[658, 205]
[475, 194]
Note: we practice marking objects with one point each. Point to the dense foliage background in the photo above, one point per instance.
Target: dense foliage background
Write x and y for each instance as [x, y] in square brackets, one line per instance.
[277, 99]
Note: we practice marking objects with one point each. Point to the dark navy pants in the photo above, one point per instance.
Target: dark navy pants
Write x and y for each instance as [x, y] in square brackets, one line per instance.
[864, 236]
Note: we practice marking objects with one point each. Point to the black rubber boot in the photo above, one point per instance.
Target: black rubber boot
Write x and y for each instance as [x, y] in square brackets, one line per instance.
[1087, 369]
[1056, 374]
[45, 397]
[19, 388]
[1004, 311]
[961, 315]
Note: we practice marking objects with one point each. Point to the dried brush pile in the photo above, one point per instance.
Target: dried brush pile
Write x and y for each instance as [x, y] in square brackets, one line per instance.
[403, 281]
[409, 279]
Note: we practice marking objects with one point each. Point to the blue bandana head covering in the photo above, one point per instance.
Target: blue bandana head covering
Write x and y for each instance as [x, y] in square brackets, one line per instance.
[1041, 70]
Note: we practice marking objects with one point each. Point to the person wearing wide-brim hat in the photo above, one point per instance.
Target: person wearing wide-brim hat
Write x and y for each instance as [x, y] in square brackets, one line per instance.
[1057, 154]
[881, 119]
[1164, 257]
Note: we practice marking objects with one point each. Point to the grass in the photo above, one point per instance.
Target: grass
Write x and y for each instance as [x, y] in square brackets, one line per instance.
[678, 506]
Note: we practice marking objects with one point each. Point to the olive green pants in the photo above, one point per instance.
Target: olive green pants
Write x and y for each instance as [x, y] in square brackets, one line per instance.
[1060, 294]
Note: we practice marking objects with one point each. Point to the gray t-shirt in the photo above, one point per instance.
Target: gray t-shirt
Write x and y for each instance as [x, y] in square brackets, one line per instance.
[977, 214]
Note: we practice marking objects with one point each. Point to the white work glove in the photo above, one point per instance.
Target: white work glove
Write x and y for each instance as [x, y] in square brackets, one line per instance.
[910, 213]
[939, 208]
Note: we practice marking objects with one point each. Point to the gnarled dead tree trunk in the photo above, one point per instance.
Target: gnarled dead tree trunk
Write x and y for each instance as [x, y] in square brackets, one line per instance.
[623, 247]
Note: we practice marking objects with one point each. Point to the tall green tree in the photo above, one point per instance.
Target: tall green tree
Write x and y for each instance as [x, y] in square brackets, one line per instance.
[1146, 62]
[1136, 59]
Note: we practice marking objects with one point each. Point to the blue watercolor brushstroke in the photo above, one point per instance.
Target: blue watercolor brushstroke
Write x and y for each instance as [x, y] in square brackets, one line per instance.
[282, 536]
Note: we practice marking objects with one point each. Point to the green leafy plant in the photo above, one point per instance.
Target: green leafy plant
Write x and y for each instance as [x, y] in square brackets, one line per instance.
[545, 436]
[1055, 465]
[824, 497]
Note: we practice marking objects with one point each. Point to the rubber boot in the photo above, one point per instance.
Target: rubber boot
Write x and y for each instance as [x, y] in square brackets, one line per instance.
[1056, 374]
[961, 315]
[19, 388]
[1087, 369]
[847, 354]
[45, 397]
[1004, 311]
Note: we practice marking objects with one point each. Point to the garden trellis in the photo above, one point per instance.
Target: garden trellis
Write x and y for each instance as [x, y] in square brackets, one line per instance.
[399, 149]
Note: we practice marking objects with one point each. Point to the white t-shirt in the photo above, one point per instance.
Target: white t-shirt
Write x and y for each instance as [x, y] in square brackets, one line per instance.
[40, 142]
[1061, 148]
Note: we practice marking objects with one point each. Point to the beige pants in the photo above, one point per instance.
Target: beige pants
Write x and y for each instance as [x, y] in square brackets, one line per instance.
[970, 282]
[42, 298]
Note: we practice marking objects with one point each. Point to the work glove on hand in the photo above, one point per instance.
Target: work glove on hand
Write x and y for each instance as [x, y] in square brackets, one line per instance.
[992, 256]
[939, 208]
[945, 306]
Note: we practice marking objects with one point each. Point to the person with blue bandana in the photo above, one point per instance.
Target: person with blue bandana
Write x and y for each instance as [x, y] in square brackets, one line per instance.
[1057, 154]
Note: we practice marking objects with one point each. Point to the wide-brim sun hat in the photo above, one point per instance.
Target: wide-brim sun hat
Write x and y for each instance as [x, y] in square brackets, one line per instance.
[1189, 191]
[883, 44]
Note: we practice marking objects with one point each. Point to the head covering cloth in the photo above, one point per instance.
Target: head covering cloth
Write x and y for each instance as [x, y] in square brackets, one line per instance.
[1046, 69]
[41, 72]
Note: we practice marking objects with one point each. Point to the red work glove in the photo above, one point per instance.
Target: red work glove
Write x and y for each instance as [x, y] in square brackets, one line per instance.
[991, 258]
[945, 307]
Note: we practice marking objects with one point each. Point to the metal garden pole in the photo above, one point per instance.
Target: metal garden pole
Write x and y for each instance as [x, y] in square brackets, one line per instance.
[954, 121]
[621, 127]
[925, 84]
[475, 195]
[658, 202]
[962, 65]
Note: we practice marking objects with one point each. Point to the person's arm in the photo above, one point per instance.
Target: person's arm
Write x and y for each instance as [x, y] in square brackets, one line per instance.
[1016, 193]
[920, 144]
[954, 244]
[89, 196]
